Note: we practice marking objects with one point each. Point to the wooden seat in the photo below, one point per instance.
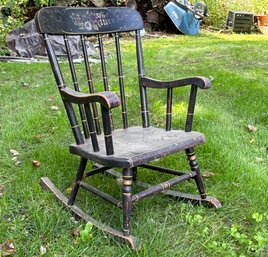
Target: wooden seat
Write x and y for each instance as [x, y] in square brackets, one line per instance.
[94, 124]
[137, 145]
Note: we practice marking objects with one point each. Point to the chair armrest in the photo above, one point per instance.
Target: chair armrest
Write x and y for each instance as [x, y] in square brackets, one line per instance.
[201, 82]
[107, 99]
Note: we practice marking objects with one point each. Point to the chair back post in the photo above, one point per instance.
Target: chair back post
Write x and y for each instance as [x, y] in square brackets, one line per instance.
[191, 107]
[143, 93]
[76, 85]
[73, 122]
[53, 62]
[60, 82]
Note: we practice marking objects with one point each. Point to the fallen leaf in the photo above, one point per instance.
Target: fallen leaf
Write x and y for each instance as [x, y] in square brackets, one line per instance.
[76, 232]
[17, 163]
[24, 84]
[258, 159]
[68, 190]
[207, 174]
[54, 108]
[14, 152]
[36, 163]
[252, 140]
[43, 250]
[7, 248]
[39, 135]
[251, 128]
[50, 98]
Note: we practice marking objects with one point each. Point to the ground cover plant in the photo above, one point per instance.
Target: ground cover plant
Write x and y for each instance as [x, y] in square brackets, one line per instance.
[232, 114]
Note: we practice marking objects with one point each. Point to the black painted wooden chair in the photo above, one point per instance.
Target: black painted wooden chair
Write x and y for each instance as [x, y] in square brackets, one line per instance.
[96, 139]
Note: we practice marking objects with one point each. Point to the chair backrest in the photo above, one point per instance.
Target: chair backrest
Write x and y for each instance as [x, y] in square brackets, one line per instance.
[84, 23]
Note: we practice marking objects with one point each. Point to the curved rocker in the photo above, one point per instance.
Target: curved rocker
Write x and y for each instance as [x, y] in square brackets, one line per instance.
[47, 184]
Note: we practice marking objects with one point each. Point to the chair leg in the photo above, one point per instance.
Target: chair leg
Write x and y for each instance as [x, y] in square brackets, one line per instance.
[135, 173]
[127, 201]
[195, 167]
[79, 176]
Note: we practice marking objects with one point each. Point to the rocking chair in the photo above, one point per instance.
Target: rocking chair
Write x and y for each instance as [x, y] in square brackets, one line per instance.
[128, 148]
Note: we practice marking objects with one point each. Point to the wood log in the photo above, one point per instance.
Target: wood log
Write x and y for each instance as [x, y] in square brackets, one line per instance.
[152, 17]
[158, 3]
[132, 4]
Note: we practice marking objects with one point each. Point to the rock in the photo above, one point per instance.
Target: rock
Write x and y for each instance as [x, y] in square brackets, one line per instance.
[27, 42]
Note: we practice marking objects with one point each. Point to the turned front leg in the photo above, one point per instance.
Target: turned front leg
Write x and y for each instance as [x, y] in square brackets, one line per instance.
[127, 201]
[195, 167]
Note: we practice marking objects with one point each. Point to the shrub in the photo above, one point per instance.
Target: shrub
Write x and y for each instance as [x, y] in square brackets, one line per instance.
[218, 9]
[12, 14]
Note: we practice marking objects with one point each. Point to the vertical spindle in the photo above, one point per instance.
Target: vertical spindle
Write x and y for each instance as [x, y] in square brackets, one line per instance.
[90, 85]
[121, 81]
[169, 109]
[107, 127]
[103, 64]
[143, 94]
[93, 134]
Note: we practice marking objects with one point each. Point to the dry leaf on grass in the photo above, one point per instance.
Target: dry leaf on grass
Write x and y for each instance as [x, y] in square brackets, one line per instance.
[54, 108]
[207, 174]
[252, 140]
[14, 152]
[76, 232]
[40, 135]
[68, 190]
[258, 159]
[251, 128]
[43, 250]
[7, 248]
[17, 163]
[36, 163]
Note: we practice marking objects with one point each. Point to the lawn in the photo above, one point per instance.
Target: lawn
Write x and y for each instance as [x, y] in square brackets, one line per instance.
[232, 114]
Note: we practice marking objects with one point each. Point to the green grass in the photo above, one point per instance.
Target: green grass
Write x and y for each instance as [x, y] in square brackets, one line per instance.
[238, 64]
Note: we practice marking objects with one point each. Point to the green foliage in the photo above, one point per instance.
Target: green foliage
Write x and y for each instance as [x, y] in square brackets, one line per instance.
[85, 234]
[218, 9]
[17, 15]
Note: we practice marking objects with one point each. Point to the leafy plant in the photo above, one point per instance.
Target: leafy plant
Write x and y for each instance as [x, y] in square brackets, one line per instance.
[15, 16]
[85, 234]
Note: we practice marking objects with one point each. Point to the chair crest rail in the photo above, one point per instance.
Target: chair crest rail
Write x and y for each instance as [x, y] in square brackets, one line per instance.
[77, 21]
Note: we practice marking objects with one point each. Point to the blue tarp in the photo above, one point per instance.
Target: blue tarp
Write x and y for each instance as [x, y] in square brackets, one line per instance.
[183, 19]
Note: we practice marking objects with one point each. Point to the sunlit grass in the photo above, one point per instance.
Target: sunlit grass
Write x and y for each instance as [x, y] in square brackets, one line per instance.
[237, 64]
